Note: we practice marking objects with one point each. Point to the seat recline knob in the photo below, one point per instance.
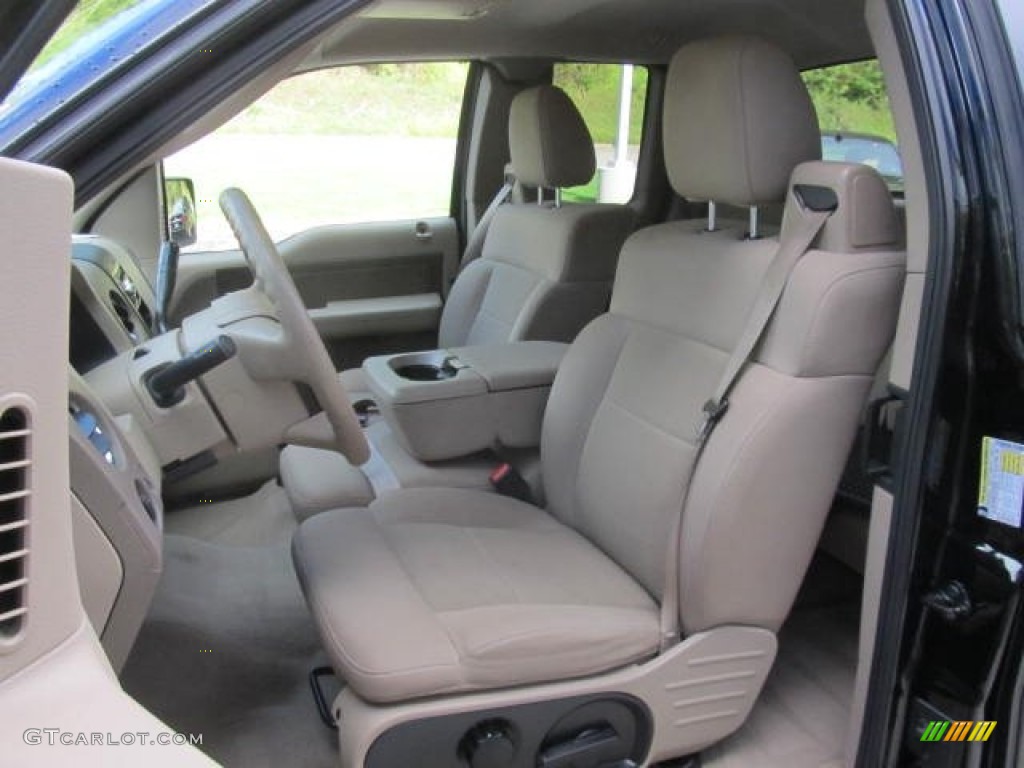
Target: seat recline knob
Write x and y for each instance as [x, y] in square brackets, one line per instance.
[490, 744]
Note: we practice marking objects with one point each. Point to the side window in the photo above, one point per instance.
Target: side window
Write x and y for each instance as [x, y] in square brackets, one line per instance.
[855, 118]
[616, 123]
[349, 144]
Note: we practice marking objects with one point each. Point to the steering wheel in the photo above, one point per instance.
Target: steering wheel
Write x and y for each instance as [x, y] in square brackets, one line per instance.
[309, 360]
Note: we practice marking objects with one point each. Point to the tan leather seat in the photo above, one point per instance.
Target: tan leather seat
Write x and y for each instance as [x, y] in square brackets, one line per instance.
[446, 592]
[544, 273]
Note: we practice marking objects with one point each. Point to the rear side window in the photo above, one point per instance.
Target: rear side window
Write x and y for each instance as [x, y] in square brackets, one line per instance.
[855, 117]
[616, 124]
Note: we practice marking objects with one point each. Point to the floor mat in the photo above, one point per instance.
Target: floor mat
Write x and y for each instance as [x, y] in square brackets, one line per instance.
[801, 717]
[229, 642]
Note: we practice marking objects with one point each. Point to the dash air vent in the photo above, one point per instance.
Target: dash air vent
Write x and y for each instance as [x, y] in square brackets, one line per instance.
[124, 314]
[15, 467]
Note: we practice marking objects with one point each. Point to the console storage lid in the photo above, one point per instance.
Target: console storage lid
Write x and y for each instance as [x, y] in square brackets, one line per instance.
[449, 403]
[514, 366]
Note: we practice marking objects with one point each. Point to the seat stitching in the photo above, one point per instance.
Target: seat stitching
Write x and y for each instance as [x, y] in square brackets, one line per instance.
[471, 532]
[534, 634]
[533, 297]
[647, 422]
[328, 628]
[590, 427]
[758, 427]
[422, 597]
[494, 316]
[824, 297]
[477, 302]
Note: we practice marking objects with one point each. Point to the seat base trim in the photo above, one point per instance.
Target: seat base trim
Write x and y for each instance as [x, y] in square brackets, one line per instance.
[699, 692]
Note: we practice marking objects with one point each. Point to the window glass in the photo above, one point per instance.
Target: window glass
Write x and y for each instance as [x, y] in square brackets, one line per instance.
[855, 117]
[596, 90]
[87, 16]
[351, 144]
[1013, 24]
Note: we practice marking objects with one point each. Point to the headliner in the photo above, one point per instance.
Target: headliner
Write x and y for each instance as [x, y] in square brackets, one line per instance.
[814, 32]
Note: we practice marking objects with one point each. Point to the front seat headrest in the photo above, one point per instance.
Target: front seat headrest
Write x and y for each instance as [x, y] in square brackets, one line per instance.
[737, 121]
[548, 140]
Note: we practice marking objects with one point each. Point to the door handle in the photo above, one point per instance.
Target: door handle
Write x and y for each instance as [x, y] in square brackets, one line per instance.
[423, 231]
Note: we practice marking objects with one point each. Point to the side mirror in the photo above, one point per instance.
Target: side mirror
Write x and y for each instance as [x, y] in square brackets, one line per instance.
[180, 199]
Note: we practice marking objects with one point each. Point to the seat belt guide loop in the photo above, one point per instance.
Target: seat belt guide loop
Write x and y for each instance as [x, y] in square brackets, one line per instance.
[713, 412]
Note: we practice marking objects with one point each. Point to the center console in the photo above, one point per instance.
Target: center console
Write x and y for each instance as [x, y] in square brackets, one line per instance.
[449, 403]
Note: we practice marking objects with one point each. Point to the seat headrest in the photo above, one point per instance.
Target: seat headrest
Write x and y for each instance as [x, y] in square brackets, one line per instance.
[865, 217]
[737, 121]
[548, 140]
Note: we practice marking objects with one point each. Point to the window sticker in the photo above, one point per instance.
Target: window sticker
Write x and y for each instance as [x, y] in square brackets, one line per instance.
[1001, 491]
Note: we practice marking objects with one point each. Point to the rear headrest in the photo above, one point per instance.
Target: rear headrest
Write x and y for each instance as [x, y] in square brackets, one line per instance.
[548, 140]
[865, 218]
[738, 120]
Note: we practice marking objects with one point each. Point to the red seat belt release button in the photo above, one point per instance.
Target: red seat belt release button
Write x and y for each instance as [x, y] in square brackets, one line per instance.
[507, 481]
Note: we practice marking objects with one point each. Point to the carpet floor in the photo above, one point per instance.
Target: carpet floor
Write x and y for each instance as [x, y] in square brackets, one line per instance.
[801, 718]
[229, 643]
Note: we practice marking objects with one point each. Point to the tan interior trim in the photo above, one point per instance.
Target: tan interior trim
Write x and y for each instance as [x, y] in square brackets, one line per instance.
[353, 318]
[878, 546]
[916, 203]
[698, 692]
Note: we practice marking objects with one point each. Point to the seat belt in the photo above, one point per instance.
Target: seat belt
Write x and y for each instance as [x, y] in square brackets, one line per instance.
[475, 246]
[814, 209]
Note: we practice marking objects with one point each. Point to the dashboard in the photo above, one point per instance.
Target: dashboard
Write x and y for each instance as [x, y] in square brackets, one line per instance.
[117, 512]
[112, 305]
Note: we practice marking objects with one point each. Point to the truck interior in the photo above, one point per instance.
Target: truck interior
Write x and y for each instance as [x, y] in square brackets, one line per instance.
[521, 479]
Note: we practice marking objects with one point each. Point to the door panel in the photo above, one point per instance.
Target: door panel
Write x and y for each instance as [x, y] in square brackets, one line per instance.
[370, 287]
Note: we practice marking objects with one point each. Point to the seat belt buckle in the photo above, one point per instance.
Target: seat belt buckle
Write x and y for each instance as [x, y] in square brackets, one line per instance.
[365, 410]
[713, 412]
[506, 480]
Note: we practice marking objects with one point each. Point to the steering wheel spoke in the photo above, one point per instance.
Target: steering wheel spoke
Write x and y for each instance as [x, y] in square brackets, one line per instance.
[301, 354]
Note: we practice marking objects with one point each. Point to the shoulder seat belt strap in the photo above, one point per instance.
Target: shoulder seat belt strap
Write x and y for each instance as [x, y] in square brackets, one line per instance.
[475, 246]
[814, 209]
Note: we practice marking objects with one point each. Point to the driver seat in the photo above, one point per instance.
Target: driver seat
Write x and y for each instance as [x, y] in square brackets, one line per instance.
[468, 625]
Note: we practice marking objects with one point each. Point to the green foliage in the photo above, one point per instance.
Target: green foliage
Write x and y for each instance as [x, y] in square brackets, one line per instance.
[594, 88]
[851, 97]
[424, 99]
[86, 16]
[584, 194]
[373, 100]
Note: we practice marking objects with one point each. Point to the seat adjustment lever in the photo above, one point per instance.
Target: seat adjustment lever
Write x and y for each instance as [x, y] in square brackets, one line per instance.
[599, 746]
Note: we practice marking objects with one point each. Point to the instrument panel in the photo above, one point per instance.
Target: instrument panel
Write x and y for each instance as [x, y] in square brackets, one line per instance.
[112, 305]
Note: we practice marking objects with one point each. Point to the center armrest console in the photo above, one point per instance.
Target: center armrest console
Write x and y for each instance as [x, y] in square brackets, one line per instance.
[454, 402]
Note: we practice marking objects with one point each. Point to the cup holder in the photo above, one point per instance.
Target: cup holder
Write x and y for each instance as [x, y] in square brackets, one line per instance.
[426, 372]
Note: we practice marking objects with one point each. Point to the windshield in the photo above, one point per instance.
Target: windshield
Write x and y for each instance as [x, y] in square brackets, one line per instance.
[87, 17]
[97, 39]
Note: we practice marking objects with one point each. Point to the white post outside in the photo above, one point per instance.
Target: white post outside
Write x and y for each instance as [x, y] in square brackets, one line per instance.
[625, 104]
[616, 180]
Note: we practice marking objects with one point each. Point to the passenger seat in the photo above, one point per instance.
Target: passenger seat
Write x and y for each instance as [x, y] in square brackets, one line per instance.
[545, 271]
[546, 268]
